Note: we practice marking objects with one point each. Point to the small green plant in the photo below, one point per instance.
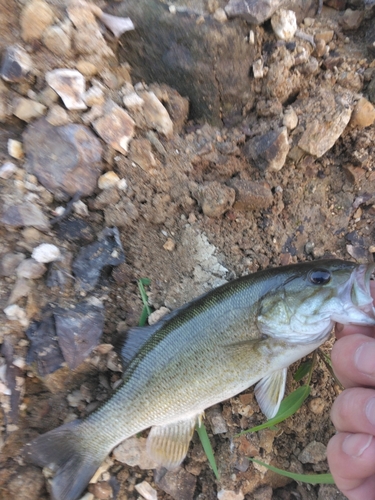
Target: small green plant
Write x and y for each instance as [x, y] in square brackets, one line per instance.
[146, 311]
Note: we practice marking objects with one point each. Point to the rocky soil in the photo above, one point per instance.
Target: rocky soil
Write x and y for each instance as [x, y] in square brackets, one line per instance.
[208, 142]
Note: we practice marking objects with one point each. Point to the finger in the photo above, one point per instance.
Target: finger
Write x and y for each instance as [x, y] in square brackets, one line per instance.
[343, 330]
[351, 459]
[354, 411]
[353, 360]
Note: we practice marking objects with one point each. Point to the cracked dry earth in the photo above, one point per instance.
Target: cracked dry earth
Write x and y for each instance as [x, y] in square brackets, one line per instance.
[290, 178]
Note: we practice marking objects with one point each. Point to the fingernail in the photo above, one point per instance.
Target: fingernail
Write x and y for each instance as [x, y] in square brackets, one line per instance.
[364, 358]
[355, 445]
[370, 411]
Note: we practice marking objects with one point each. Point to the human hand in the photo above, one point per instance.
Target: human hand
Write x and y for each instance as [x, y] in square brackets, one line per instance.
[351, 452]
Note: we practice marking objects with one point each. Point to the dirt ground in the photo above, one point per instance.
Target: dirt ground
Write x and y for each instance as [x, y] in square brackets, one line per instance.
[187, 223]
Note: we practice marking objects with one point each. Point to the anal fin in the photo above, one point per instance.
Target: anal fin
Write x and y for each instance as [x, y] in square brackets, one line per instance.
[169, 444]
[269, 392]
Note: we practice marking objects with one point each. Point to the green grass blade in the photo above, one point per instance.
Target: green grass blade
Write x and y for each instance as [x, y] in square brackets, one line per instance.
[303, 370]
[288, 407]
[205, 440]
[303, 478]
[143, 317]
[141, 286]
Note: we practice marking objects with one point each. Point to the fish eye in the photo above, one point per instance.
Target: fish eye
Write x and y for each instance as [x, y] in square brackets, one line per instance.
[320, 276]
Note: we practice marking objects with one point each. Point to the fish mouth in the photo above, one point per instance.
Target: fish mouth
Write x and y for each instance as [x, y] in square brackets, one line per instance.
[357, 297]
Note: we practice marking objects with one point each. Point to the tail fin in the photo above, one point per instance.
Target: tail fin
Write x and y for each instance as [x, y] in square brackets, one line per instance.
[63, 450]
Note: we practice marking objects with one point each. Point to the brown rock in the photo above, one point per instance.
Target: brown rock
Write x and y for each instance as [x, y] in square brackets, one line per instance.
[176, 105]
[179, 484]
[214, 198]
[363, 114]
[326, 36]
[36, 16]
[25, 214]
[263, 493]
[251, 195]
[65, 159]
[31, 269]
[352, 19]
[314, 453]
[115, 127]
[141, 154]
[101, 490]
[155, 114]
[9, 263]
[269, 150]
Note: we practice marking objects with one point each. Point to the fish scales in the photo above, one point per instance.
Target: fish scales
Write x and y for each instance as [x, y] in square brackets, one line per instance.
[247, 331]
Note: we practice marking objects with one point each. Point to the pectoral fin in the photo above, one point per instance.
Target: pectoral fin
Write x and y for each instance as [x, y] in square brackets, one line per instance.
[168, 444]
[269, 392]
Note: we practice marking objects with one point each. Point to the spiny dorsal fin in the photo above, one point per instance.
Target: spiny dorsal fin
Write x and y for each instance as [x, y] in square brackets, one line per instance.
[269, 392]
[168, 444]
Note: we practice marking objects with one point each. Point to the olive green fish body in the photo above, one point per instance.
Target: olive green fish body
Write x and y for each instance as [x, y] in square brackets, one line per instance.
[246, 331]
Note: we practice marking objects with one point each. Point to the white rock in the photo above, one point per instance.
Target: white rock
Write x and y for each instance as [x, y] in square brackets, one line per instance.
[284, 24]
[69, 84]
[16, 313]
[80, 208]
[118, 25]
[155, 114]
[146, 490]
[157, 315]
[132, 101]
[230, 495]
[220, 15]
[94, 96]
[27, 109]
[290, 118]
[258, 69]
[7, 169]
[45, 253]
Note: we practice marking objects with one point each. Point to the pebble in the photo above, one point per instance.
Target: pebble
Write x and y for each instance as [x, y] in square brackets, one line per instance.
[80, 209]
[263, 493]
[214, 198]
[179, 484]
[69, 84]
[320, 48]
[118, 25]
[220, 15]
[9, 263]
[141, 154]
[115, 127]
[133, 102]
[30, 269]
[229, 495]
[155, 114]
[290, 118]
[146, 490]
[258, 69]
[16, 64]
[65, 159]
[108, 180]
[284, 24]
[57, 116]
[36, 16]
[94, 96]
[45, 253]
[253, 11]
[251, 195]
[352, 19]
[15, 149]
[326, 36]
[169, 245]
[363, 114]
[317, 406]
[314, 453]
[27, 109]
[25, 214]
[216, 419]
[268, 151]
[157, 315]
[133, 452]
[16, 313]
[58, 40]
[7, 169]
[101, 490]
[87, 68]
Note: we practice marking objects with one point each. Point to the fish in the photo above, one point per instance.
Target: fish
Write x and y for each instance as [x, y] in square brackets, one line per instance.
[245, 332]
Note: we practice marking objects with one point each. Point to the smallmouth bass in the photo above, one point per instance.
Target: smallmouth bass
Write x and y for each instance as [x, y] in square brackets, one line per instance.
[245, 332]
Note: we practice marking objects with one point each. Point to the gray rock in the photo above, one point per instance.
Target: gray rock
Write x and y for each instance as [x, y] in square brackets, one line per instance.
[263, 493]
[179, 484]
[214, 198]
[107, 251]
[7, 169]
[16, 64]
[330, 492]
[78, 331]
[251, 195]
[352, 19]
[133, 452]
[268, 151]
[115, 127]
[253, 11]
[24, 214]
[9, 263]
[229, 495]
[30, 269]
[65, 159]
[216, 419]
[177, 50]
[69, 84]
[314, 453]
